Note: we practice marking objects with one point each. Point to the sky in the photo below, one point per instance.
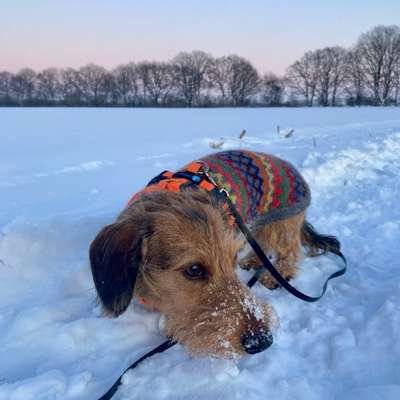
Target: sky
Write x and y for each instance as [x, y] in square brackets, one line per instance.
[271, 34]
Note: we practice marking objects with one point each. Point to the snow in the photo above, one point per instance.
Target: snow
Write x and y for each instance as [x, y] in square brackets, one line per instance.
[64, 173]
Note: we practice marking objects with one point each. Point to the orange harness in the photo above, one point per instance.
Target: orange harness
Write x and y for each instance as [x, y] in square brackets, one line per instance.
[193, 173]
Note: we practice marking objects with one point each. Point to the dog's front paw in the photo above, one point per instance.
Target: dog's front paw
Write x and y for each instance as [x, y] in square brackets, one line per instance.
[286, 269]
[251, 261]
[248, 263]
[270, 283]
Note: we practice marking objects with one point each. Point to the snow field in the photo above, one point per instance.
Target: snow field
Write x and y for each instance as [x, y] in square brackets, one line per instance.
[66, 173]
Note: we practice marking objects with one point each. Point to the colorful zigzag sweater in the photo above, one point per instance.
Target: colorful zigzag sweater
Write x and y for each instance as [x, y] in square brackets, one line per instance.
[262, 187]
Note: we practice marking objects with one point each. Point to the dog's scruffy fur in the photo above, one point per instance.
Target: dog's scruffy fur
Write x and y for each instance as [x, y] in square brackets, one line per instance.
[163, 234]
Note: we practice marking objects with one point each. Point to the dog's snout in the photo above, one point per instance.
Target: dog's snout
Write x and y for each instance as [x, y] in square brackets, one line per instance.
[256, 342]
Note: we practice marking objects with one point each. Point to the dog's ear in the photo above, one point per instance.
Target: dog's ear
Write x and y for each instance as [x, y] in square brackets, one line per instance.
[115, 256]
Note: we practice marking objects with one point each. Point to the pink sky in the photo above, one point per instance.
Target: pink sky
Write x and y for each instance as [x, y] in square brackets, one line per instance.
[271, 34]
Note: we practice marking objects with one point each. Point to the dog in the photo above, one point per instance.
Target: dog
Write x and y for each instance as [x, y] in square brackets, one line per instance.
[175, 249]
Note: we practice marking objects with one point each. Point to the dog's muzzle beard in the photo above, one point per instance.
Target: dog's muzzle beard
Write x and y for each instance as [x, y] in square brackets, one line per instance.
[227, 322]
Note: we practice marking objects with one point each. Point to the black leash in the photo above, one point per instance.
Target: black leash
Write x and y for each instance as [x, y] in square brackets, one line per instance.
[269, 266]
[266, 263]
[159, 349]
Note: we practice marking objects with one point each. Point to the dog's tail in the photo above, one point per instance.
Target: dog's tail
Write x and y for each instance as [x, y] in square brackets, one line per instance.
[316, 243]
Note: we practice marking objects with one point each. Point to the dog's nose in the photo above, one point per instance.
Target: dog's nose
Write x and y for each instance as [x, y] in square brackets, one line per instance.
[256, 342]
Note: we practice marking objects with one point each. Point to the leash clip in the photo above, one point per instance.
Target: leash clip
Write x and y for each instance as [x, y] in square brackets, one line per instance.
[205, 171]
[224, 192]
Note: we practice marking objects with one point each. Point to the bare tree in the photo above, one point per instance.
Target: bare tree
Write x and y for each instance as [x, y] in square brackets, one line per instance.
[235, 78]
[23, 86]
[5, 88]
[190, 71]
[397, 83]
[71, 87]
[243, 80]
[329, 63]
[302, 78]
[126, 84]
[272, 89]
[109, 96]
[94, 81]
[319, 74]
[379, 51]
[218, 73]
[48, 86]
[337, 55]
[157, 81]
[354, 85]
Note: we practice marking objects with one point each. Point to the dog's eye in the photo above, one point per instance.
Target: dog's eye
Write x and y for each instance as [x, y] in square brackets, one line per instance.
[195, 271]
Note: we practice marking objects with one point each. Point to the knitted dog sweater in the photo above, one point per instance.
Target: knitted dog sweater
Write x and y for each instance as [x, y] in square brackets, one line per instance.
[262, 187]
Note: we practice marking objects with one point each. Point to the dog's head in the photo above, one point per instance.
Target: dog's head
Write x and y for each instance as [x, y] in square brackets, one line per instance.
[177, 252]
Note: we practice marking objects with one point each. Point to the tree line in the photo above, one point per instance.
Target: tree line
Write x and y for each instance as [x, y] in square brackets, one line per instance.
[368, 73]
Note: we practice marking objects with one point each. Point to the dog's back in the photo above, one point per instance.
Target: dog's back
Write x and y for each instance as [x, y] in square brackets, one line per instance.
[263, 188]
